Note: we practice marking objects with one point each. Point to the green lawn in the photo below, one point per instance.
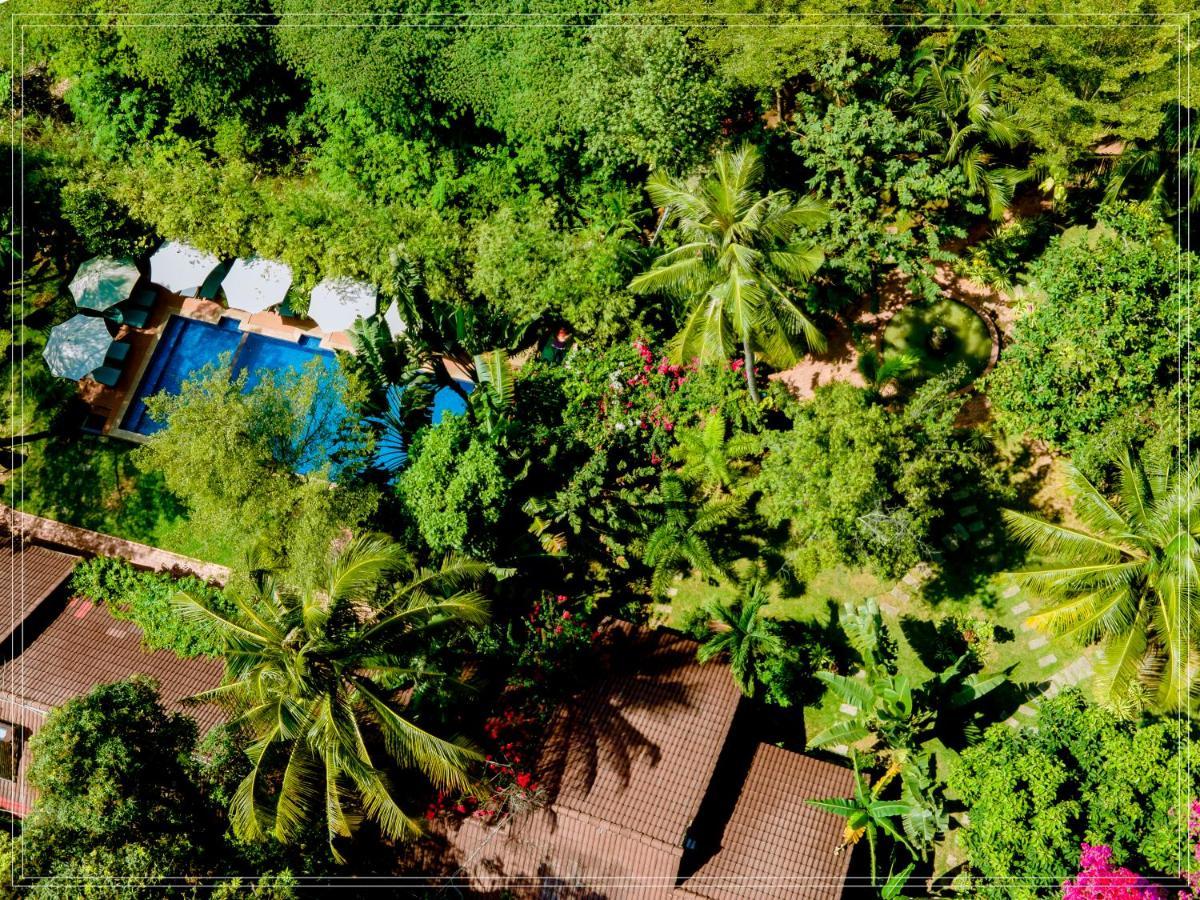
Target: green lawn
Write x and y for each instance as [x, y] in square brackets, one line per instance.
[979, 597]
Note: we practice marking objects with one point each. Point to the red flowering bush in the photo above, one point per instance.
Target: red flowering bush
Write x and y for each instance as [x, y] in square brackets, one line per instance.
[547, 646]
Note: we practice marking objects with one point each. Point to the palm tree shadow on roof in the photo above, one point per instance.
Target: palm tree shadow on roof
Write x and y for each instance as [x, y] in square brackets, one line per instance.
[596, 730]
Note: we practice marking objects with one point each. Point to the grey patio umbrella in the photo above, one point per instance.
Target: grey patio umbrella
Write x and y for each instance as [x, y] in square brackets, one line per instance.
[77, 347]
[103, 282]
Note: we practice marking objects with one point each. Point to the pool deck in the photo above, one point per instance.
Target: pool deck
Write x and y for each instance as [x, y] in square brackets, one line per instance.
[110, 403]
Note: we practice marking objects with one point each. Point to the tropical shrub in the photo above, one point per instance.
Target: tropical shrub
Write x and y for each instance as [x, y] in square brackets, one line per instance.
[1083, 775]
[455, 488]
[1101, 344]
[859, 485]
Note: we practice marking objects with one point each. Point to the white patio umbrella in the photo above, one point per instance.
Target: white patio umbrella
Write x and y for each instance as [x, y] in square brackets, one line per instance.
[181, 268]
[255, 284]
[337, 302]
[103, 282]
[77, 347]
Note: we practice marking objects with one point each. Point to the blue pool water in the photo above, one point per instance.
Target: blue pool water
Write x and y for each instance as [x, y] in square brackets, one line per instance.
[188, 345]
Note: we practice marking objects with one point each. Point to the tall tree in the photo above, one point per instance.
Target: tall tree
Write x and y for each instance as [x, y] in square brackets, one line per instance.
[741, 265]
[318, 673]
[1126, 577]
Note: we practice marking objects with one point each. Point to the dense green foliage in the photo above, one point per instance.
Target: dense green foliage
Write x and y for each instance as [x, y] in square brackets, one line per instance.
[615, 222]
[126, 804]
[858, 484]
[1083, 775]
[144, 598]
[1099, 353]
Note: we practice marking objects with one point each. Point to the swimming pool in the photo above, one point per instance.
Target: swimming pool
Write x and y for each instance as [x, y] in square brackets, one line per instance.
[188, 345]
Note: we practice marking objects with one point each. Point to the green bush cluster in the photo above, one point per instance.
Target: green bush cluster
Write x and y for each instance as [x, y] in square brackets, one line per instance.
[144, 598]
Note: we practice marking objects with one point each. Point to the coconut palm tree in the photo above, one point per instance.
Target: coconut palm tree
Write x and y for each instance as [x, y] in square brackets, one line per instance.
[318, 675]
[741, 266]
[1128, 577]
[681, 538]
[710, 457]
[961, 100]
[740, 632]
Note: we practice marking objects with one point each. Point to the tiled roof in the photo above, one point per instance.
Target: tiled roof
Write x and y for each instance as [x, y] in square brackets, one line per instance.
[626, 767]
[28, 575]
[83, 646]
[776, 846]
[638, 750]
[67, 647]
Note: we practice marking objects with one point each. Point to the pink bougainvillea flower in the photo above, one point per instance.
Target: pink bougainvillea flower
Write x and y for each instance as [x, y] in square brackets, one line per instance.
[1099, 879]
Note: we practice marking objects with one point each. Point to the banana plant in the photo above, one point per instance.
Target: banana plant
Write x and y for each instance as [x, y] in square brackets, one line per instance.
[866, 814]
[492, 403]
[901, 715]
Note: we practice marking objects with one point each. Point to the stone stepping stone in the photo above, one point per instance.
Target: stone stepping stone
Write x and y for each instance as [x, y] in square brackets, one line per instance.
[890, 608]
[1039, 642]
[961, 494]
[1048, 660]
[840, 749]
[962, 533]
[1012, 723]
[968, 510]
[1051, 692]
[1011, 591]
[1025, 626]
[975, 527]
[1021, 608]
[848, 709]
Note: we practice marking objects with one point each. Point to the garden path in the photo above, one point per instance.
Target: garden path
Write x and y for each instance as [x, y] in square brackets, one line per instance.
[93, 543]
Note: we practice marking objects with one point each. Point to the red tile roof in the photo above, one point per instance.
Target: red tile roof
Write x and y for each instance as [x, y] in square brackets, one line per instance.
[69, 646]
[626, 767]
[776, 846]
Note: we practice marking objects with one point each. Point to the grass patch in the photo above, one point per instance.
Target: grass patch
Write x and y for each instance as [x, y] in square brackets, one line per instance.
[94, 482]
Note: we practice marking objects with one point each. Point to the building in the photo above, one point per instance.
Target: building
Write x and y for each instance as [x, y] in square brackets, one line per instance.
[59, 647]
[658, 787]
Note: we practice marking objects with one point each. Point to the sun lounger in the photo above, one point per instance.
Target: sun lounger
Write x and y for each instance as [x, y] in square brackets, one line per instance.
[144, 299]
[117, 352]
[107, 376]
[134, 317]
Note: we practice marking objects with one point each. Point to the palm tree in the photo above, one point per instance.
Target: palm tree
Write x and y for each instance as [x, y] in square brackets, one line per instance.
[709, 457]
[962, 100]
[681, 538]
[740, 266]
[740, 631]
[318, 676]
[1128, 577]
[1162, 172]
[866, 814]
